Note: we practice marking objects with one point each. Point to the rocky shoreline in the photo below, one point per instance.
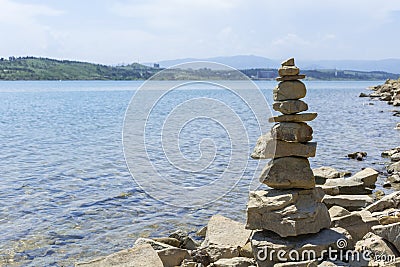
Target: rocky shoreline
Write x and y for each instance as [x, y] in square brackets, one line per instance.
[306, 212]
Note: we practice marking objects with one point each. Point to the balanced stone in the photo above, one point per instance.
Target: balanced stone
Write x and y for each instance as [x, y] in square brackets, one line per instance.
[294, 117]
[287, 173]
[290, 78]
[288, 62]
[289, 90]
[267, 148]
[292, 132]
[288, 70]
[290, 106]
[288, 212]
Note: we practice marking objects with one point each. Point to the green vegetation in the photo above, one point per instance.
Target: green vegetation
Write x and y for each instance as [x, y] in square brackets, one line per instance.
[31, 68]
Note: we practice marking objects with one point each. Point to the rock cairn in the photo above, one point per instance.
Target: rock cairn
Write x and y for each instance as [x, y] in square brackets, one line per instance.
[292, 210]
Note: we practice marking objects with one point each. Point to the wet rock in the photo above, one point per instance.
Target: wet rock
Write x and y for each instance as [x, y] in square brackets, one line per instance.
[364, 95]
[267, 147]
[279, 173]
[290, 106]
[390, 232]
[292, 132]
[391, 152]
[138, 256]
[226, 232]
[234, 262]
[357, 155]
[287, 212]
[289, 90]
[349, 202]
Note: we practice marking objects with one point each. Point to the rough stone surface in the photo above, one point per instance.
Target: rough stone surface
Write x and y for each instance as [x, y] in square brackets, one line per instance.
[329, 190]
[288, 70]
[171, 257]
[288, 62]
[217, 252]
[290, 106]
[337, 211]
[139, 256]
[368, 176]
[326, 173]
[267, 147]
[390, 232]
[289, 90]
[234, 262]
[349, 202]
[266, 241]
[375, 244]
[348, 186]
[226, 232]
[287, 173]
[394, 167]
[292, 132]
[387, 202]
[168, 240]
[358, 224]
[290, 78]
[155, 244]
[287, 212]
[294, 117]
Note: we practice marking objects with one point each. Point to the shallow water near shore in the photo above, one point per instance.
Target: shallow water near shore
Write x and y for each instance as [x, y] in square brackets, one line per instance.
[66, 193]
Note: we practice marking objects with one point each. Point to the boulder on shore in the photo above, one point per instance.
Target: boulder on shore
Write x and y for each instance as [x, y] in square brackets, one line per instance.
[349, 202]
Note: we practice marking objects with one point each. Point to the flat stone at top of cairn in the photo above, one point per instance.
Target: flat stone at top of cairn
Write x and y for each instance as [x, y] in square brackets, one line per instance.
[282, 210]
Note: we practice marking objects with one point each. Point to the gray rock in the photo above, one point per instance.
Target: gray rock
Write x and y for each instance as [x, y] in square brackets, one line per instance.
[290, 106]
[394, 178]
[348, 186]
[337, 211]
[391, 201]
[216, 252]
[308, 263]
[168, 240]
[265, 242]
[367, 176]
[376, 245]
[391, 152]
[326, 173]
[394, 167]
[357, 155]
[172, 257]
[267, 147]
[349, 202]
[226, 232]
[395, 157]
[287, 173]
[234, 262]
[202, 231]
[292, 132]
[358, 224]
[287, 212]
[155, 244]
[390, 232]
[138, 256]
[288, 70]
[288, 62]
[185, 240]
[300, 117]
[329, 190]
[289, 90]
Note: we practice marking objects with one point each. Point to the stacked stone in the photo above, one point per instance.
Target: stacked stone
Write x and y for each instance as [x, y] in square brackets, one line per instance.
[293, 206]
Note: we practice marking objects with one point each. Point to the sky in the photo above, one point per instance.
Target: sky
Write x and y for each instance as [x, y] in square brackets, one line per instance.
[125, 31]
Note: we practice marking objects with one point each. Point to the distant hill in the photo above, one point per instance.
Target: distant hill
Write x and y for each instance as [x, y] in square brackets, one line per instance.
[31, 68]
[251, 61]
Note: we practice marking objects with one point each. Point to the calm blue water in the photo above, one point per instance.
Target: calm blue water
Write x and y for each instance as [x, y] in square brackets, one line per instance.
[66, 193]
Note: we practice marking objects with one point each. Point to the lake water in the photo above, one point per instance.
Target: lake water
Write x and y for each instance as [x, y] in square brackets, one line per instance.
[66, 193]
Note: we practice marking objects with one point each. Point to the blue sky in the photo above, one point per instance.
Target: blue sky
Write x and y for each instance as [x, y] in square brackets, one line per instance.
[125, 31]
